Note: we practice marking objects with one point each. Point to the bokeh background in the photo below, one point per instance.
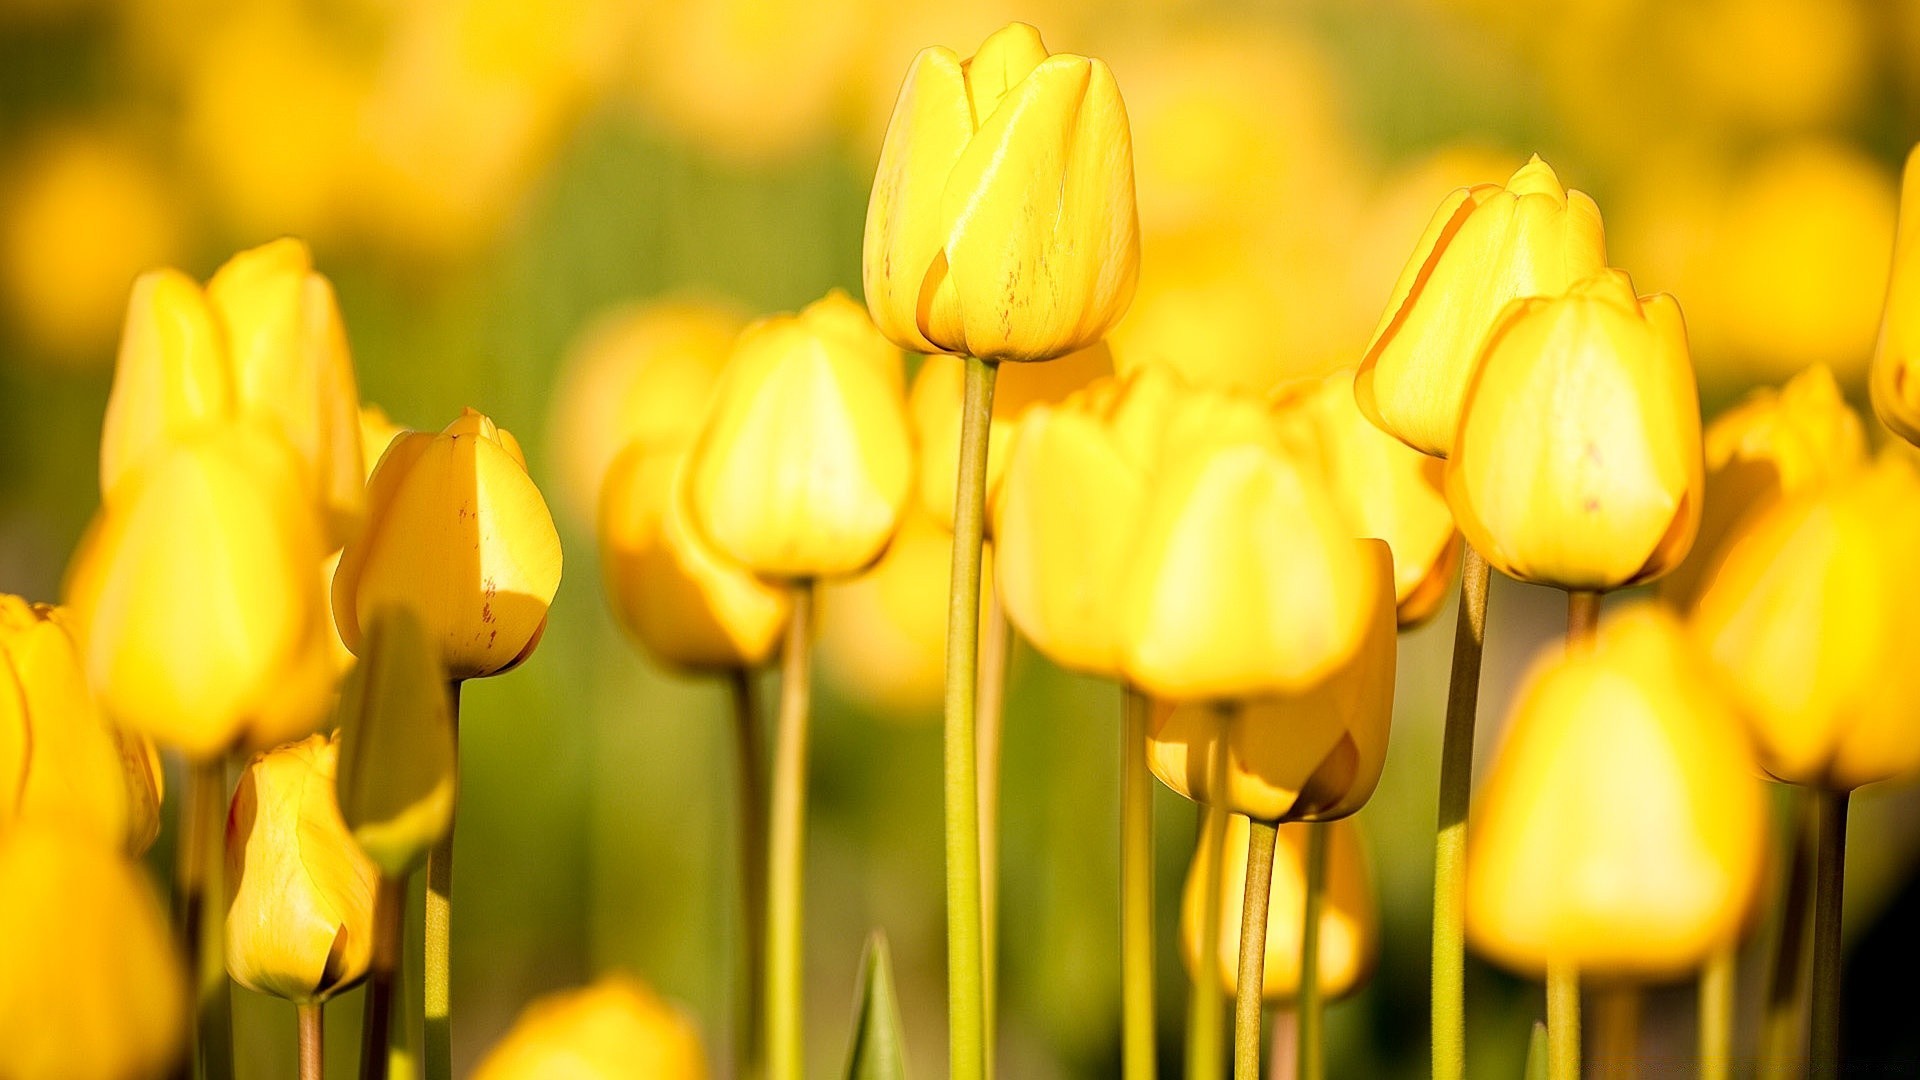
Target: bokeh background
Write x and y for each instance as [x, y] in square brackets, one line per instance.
[485, 179]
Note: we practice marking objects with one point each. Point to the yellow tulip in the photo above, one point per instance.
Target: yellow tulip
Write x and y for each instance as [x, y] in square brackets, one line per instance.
[1349, 915]
[1620, 828]
[299, 889]
[90, 988]
[193, 596]
[684, 602]
[456, 531]
[1774, 443]
[1486, 245]
[1579, 460]
[1896, 392]
[1314, 754]
[377, 432]
[1002, 221]
[397, 762]
[1804, 616]
[615, 1029]
[806, 462]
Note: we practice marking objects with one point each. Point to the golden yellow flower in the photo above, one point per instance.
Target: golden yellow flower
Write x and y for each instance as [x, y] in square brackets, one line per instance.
[1804, 617]
[1578, 461]
[377, 432]
[615, 1029]
[1485, 246]
[806, 462]
[1896, 392]
[1620, 828]
[1002, 221]
[90, 988]
[1349, 915]
[456, 531]
[397, 762]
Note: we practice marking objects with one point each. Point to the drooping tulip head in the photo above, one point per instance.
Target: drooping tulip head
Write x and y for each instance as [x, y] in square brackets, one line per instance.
[616, 1027]
[1894, 381]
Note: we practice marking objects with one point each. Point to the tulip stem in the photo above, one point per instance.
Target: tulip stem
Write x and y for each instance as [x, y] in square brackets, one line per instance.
[1583, 618]
[437, 1058]
[1136, 892]
[200, 917]
[1450, 839]
[312, 1041]
[750, 783]
[1780, 1028]
[996, 652]
[786, 858]
[1829, 868]
[1248, 989]
[1206, 1007]
[389, 908]
[966, 1000]
[1311, 1008]
[1563, 1021]
[1716, 1015]
[1616, 1020]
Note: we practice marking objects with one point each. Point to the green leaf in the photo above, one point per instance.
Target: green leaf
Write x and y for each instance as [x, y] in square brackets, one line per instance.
[1537, 1052]
[878, 1048]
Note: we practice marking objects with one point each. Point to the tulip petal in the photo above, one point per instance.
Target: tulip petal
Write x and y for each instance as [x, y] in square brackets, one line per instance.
[171, 376]
[932, 122]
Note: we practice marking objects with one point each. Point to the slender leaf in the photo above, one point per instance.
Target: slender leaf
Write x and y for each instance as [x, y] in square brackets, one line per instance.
[878, 1047]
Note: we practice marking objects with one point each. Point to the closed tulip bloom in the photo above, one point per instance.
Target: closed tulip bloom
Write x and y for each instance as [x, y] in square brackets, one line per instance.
[685, 603]
[1804, 617]
[90, 988]
[1313, 754]
[456, 531]
[1349, 915]
[616, 1029]
[299, 889]
[1579, 457]
[1896, 392]
[1002, 221]
[1564, 865]
[377, 432]
[1486, 245]
[193, 595]
[806, 462]
[397, 764]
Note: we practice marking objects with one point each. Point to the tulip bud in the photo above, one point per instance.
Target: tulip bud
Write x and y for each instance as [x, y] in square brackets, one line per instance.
[614, 1028]
[396, 778]
[90, 988]
[1485, 246]
[1578, 462]
[1896, 392]
[1806, 618]
[1312, 754]
[299, 889]
[1349, 919]
[1002, 221]
[1620, 828]
[456, 531]
[805, 464]
[377, 432]
[192, 594]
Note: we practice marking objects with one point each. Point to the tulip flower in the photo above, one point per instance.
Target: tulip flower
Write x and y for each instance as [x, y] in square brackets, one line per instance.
[805, 464]
[377, 432]
[1565, 868]
[1896, 392]
[456, 531]
[90, 988]
[1486, 245]
[612, 1029]
[1002, 221]
[1578, 462]
[396, 754]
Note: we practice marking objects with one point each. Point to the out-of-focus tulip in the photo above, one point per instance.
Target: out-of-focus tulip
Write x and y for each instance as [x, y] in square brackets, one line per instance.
[193, 597]
[90, 988]
[299, 889]
[1002, 221]
[377, 432]
[1896, 387]
[806, 461]
[1578, 461]
[1621, 828]
[456, 531]
[1349, 916]
[1386, 489]
[615, 1029]
[1805, 617]
[684, 602]
[397, 762]
[1485, 246]
[1774, 443]
[1310, 755]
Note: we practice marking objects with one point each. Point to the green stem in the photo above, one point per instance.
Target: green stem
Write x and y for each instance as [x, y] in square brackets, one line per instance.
[1248, 988]
[966, 979]
[1136, 892]
[312, 1041]
[200, 922]
[996, 652]
[1583, 618]
[1450, 839]
[1829, 869]
[1563, 1021]
[437, 934]
[787, 849]
[1206, 1005]
[750, 784]
[1781, 1033]
[1716, 1015]
[389, 910]
[1312, 1050]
